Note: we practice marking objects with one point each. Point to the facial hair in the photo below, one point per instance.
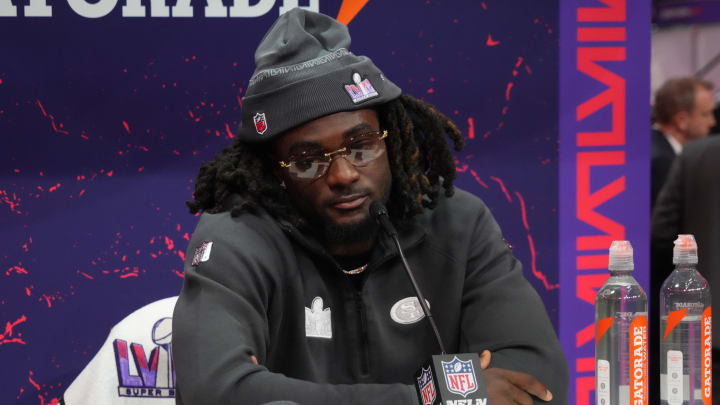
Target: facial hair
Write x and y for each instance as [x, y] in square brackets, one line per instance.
[357, 232]
[349, 233]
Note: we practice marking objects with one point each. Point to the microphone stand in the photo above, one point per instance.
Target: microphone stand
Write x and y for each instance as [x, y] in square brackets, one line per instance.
[419, 295]
[446, 378]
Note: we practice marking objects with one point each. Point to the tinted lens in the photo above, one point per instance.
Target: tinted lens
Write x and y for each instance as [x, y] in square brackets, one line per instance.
[308, 169]
[362, 153]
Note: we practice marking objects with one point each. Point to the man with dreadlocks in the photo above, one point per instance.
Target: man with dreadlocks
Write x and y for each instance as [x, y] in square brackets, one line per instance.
[292, 293]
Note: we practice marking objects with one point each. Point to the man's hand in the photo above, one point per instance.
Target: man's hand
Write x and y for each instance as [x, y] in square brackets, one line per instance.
[485, 359]
[511, 387]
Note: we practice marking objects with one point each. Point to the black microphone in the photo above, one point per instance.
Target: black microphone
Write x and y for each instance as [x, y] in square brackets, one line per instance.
[446, 377]
[380, 213]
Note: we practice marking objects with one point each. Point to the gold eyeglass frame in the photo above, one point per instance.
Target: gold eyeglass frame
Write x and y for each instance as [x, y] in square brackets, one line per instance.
[341, 151]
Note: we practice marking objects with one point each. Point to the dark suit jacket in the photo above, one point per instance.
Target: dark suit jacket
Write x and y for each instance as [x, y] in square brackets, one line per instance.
[690, 203]
[662, 156]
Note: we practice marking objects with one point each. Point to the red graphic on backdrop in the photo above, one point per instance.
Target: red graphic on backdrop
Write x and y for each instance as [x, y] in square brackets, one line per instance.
[471, 128]
[7, 335]
[11, 200]
[40, 387]
[56, 127]
[520, 61]
[502, 187]
[533, 254]
[16, 270]
[523, 211]
[491, 42]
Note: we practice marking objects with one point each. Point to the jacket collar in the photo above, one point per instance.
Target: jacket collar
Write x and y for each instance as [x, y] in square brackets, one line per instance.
[409, 235]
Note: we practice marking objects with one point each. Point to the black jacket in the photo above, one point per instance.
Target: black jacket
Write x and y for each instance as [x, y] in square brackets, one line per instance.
[661, 158]
[257, 295]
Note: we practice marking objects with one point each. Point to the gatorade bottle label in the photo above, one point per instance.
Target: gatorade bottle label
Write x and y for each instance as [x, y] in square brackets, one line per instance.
[602, 375]
[707, 356]
[674, 385]
[637, 336]
[603, 382]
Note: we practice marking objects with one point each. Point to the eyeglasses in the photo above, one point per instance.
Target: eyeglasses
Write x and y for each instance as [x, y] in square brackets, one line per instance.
[360, 150]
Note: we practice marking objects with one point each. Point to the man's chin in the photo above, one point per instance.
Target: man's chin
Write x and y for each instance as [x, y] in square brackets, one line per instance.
[349, 231]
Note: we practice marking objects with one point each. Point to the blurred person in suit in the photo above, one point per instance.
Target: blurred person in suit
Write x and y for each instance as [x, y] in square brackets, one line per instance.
[689, 202]
[683, 111]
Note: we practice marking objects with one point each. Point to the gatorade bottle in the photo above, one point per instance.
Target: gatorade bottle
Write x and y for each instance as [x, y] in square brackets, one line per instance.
[621, 330]
[685, 330]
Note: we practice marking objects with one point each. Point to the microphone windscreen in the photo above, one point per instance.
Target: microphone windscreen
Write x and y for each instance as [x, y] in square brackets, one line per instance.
[380, 213]
[377, 208]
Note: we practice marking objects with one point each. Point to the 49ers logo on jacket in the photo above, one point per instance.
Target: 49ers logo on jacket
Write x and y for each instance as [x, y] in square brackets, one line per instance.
[460, 376]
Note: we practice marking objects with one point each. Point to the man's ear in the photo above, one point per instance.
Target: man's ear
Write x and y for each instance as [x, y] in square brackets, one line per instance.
[277, 170]
[682, 120]
[279, 177]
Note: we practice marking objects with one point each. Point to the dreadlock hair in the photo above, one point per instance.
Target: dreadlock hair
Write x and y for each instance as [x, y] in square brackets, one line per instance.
[420, 161]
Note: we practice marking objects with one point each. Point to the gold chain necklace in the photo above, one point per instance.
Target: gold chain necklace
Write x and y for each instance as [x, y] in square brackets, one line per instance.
[356, 271]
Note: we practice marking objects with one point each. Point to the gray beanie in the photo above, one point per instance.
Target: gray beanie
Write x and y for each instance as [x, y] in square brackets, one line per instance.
[304, 71]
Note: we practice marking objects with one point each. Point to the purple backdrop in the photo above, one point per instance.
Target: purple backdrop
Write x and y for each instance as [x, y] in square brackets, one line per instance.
[106, 120]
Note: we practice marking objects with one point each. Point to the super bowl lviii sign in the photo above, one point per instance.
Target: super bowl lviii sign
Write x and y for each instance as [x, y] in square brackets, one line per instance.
[155, 373]
[134, 364]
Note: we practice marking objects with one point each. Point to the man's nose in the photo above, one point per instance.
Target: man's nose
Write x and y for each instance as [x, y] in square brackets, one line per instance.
[341, 173]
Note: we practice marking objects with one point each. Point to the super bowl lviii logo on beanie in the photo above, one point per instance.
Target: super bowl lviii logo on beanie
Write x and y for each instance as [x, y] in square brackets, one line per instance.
[360, 90]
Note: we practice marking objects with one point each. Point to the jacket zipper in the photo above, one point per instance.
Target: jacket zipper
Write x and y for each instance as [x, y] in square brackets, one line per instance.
[364, 344]
[363, 332]
[382, 260]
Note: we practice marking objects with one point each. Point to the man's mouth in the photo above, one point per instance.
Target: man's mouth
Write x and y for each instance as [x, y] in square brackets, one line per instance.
[349, 202]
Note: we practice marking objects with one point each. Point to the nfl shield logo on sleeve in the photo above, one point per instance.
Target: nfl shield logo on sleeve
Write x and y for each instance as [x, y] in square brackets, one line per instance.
[460, 376]
[260, 123]
[202, 253]
[427, 386]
